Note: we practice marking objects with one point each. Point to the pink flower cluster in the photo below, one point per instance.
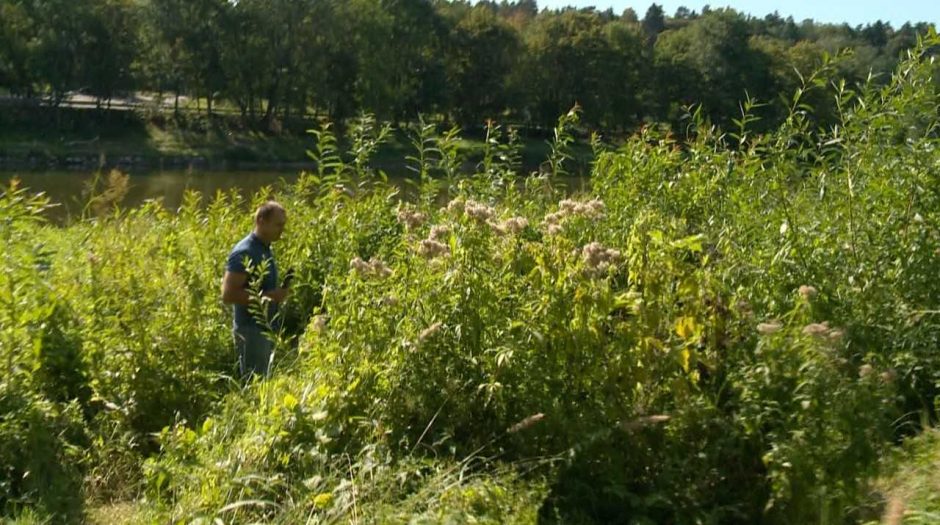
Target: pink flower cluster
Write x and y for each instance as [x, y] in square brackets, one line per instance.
[456, 206]
[436, 243]
[823, 331]
[439, 233]
[479, 211]
[375, 268]
[431, 249]
[410, 218]
[593, 209]
[818, 330]
[888, 376]
[598, 259]
[512, 225]
[515, 225]
[483, 214]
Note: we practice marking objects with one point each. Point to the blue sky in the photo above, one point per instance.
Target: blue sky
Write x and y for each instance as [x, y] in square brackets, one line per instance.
[854, 12]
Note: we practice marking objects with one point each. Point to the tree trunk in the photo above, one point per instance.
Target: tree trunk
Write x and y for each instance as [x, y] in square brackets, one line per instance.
[272, 105]
[302, 105]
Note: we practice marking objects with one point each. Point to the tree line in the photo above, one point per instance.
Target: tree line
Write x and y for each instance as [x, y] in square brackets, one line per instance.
[270, 60]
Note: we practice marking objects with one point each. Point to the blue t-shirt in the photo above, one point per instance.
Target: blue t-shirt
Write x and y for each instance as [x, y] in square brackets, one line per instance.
[248, 257]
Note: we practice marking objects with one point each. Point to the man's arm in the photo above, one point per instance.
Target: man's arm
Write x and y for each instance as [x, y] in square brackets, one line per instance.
[235, 292]
[233, 288]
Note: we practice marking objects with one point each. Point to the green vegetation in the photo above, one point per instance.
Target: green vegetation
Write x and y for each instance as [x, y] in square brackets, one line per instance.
[913, 487]
[209, 82]
[276, 61]
[732, 329]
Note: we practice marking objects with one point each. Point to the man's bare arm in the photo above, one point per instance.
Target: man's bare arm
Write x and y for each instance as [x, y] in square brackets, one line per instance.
[233, 288]
[234, 291]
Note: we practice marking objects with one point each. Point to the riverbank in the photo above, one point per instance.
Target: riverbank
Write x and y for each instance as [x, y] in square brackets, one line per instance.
[85, 139]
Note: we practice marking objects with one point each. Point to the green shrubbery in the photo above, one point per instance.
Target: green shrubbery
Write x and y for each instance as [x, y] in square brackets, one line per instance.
[726, 331]
[912, 481]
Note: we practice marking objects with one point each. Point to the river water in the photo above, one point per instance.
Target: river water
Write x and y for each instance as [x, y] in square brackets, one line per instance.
[70, 189]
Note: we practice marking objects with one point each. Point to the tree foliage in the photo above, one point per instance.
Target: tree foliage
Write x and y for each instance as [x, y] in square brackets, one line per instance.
[396, 59]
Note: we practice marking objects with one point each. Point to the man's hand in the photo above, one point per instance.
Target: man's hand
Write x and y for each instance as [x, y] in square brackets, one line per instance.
[278, 295]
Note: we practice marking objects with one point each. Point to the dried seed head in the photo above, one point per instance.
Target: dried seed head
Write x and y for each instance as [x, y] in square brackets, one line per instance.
[429, 332]
[380, 269]
[593, 253]
[431, 249]
[598, 259]
[807, 292]
[744, 308]
[410, 218]
[593, 209]
[644, 421]
[479, 212]
[568, 206]
[824, 332]
[439, 232]
[516, 225]
[375, 268]
[817, 329]
[835, 335]
[865, 370]
[361, 267]
[889, 376]
[526, 423]
[456, 206]
[769, 328]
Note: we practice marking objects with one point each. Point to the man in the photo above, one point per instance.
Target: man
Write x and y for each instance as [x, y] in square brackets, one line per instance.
[250, 256]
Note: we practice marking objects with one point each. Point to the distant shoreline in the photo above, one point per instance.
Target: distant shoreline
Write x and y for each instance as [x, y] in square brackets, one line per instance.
[92, 162]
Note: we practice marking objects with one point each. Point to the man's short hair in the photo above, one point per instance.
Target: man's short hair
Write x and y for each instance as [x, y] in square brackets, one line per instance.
[266, 210]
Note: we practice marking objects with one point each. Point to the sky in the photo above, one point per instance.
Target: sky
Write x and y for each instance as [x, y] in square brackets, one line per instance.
[831, 11]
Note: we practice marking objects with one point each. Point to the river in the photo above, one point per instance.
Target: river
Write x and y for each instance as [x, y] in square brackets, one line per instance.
[69, 189]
